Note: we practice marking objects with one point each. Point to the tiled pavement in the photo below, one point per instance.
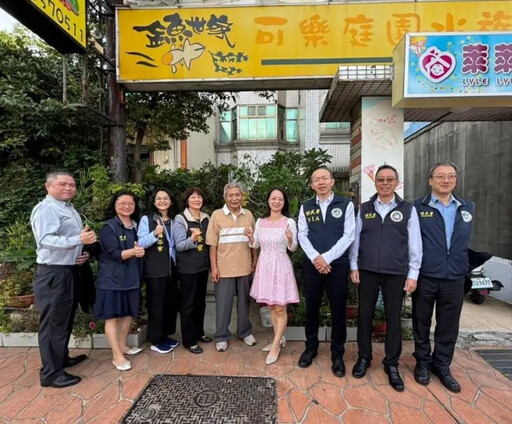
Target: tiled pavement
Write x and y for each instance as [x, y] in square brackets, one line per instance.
[310, 395]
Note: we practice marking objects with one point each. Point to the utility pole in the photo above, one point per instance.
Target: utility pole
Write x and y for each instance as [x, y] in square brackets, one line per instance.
[116, 110]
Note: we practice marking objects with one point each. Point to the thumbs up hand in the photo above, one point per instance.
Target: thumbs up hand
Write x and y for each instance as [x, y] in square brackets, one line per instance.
[138, 251]
[289, 234]
[87, 236]
[248, 232]
[159, 230]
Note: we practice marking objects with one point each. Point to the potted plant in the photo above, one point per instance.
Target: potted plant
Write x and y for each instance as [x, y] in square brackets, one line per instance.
[352, 300]
[19, 327]
[17, 289]
[379, 320]
[406, 314]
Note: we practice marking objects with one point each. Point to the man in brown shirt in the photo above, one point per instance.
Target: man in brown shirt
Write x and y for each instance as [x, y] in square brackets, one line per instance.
[231, 265]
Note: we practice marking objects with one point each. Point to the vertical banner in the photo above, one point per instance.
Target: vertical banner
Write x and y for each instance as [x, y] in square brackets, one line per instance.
[382, 142]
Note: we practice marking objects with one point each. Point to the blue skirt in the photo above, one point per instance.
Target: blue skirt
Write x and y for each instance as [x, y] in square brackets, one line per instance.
[116, 303]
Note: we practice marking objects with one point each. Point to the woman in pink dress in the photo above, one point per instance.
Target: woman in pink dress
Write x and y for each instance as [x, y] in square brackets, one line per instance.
[274, 282]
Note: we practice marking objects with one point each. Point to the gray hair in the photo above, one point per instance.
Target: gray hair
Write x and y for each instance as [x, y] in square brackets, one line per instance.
[443, 163]
[231, 186]
[53, 175]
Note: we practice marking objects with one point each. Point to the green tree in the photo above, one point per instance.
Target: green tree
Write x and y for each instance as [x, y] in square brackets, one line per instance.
[158, 117]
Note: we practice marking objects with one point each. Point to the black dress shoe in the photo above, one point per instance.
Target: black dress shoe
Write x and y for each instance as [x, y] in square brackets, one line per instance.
[307, 357]
[64, 380]
[338, 367]
[195, 349]
[447, 379]
[422, 374]
[71, 362]
[205, 339]
[359, 370]
[394, 378]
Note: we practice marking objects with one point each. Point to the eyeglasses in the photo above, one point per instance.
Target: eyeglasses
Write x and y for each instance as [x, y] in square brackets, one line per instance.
[125, 204]
[388, 180]
[442, 177]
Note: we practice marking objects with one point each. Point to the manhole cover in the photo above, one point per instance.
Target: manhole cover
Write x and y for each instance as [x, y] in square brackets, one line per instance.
[501, 359]
[198, 399]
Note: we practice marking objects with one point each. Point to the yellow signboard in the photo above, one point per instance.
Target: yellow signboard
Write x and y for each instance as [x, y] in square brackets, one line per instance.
[257, 43]
[69, 15]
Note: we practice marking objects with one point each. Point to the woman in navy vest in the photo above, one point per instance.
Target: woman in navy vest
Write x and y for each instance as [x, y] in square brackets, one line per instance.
[120, 265]
[193, 264]
[156, 236]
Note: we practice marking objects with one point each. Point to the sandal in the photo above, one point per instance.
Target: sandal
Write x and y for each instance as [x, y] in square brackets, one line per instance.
[125, 366]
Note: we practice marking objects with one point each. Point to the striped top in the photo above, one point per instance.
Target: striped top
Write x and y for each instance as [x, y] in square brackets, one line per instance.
[226, 232]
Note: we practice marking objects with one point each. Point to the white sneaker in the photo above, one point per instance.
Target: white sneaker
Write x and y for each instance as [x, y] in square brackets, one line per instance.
[250, 340]
[221, 346]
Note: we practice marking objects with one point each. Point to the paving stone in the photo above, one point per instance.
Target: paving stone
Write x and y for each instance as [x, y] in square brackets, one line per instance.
[486, 380]
[11, 372]
[304, 378]
[468, 391]
[91, 386]
[40, 407]
[502, 396]
[299, 403]
[232, 365]
[69, 410]
[494, 409]
[360, 416]
[468, 413]
[366, 397]
[17, 401]
[329, 398]
[437, 413]
[284, 414]
[407, 397]
[317, 415]
[133, 386]
[205, 368]
[401, 414]
[5, 391]
[102, 401]
[284, 385]
[113, 414]
[183, 365]
[326, 376]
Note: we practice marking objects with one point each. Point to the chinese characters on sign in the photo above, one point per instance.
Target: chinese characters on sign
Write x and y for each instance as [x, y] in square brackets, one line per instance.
[451, 65]
[292, 41]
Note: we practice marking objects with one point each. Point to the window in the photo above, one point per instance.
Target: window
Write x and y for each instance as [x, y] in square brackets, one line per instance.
[226, 126]
[335, 127]
[292, 125]
[257, 122]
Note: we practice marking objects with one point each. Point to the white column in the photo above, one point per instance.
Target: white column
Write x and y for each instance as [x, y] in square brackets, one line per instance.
[382, 142]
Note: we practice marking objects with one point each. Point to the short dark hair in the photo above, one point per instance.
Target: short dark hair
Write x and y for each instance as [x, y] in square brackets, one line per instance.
[172, 209]
[189, 192]
[443, 163]
[285, 209]
[385, 166]
[110, 212]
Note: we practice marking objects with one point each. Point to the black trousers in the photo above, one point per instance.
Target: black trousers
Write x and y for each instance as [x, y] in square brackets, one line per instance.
[335, 285]
[393, 293]
[162, 301]
[448, 296]
[193, 306]
[56, 297]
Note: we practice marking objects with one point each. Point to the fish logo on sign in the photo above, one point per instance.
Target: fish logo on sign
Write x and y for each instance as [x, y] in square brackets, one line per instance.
[437, 65]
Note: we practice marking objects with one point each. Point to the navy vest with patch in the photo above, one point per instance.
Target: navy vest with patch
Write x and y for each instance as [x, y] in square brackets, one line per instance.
[384, 243]
[194, 260]
[157, 262]
[324, 235]
[439, 261]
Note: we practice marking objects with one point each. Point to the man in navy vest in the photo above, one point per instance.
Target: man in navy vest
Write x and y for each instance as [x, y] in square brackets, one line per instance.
[446, 222]
[385, 255]
[326, 231]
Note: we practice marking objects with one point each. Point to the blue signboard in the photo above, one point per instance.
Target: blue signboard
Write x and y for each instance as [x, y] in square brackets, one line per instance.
[458, 64]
